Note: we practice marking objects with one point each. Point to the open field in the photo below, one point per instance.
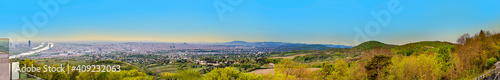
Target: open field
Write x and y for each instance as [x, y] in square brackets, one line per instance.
[271, 71]
[288, 57]
[164, 68]
[286, 54]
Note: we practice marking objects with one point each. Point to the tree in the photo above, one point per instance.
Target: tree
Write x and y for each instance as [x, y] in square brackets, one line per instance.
[482, 35]
[249, 76]
[455, 69]
[261, 60]
[425, 67]
[188, 74]
[326, 70]
[278, 76]
[376, 65]
[122, 75]
[356, 71]
[290, 68]
[73, 75]
[228, 73]
[463, 39]
[339, 70]
[443, 56]
[491, 61]
[168, 76]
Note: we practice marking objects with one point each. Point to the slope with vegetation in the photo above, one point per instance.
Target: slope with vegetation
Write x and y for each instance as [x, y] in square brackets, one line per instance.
[423, 47]
[371, 45]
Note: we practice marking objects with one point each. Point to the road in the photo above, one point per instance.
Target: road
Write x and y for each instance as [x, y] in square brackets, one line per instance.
[35, 50]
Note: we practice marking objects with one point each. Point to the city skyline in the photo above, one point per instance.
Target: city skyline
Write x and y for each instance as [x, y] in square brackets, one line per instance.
[299, 21]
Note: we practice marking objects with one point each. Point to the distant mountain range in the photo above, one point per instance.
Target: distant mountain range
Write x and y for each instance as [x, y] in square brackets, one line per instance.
[286, 46]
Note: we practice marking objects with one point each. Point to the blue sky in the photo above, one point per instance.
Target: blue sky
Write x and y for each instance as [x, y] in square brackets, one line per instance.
[300, 21]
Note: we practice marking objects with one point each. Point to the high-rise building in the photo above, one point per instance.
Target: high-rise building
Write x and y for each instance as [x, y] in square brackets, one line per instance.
[29, 43]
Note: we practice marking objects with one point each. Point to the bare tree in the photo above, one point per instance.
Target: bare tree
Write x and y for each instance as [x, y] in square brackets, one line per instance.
[463, 39]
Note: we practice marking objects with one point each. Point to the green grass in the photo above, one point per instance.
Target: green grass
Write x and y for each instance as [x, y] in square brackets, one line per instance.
[290, 54]
[154, 65]
[197, 69]
[286, 54]
[171, 68]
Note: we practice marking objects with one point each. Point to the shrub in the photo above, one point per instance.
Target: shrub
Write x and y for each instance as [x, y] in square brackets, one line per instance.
[491, 61]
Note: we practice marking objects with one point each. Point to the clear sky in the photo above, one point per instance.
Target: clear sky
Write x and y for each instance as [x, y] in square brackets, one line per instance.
[300, 21]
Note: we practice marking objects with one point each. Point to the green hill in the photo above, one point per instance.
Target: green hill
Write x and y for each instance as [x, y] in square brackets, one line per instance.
[424, 46]
[372, 44]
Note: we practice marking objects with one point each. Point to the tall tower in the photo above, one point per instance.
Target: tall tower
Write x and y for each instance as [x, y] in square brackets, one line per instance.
[29, 43]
